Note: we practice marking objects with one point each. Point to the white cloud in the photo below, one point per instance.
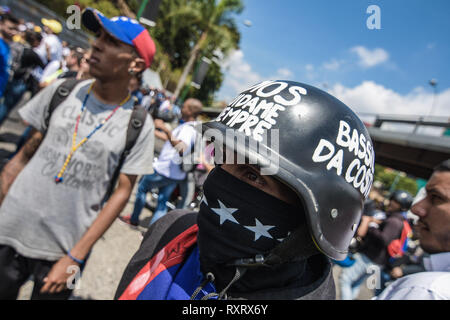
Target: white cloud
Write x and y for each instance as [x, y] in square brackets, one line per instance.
[309, 67]
[310, 72]
[370, 58]
[239, 75]
[332, 65]
[284, 74]
[370, 97]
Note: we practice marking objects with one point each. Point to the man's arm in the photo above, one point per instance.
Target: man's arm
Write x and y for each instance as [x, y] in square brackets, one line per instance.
[58, 275]
[391, 230]
[14, 166]
[178, 144]
[161, 135]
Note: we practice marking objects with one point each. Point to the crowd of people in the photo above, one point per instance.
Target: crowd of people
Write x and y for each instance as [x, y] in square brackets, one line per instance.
[384, 245]
[236, 232]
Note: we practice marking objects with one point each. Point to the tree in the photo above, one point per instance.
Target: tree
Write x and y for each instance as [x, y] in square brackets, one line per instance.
[215, 25]
[185, 30]
[60, 7]
[398, 180]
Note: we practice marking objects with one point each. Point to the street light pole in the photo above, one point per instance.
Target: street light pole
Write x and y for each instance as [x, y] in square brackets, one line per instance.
[141, 9]
[433, 83]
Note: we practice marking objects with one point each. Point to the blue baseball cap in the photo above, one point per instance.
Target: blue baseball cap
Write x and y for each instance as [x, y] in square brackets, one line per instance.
[124, 29]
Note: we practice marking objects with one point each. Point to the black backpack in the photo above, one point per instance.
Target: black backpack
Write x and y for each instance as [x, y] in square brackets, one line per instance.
[135, 126]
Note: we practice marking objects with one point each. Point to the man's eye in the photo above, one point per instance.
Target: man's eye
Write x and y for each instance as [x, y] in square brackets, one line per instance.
[435, 198]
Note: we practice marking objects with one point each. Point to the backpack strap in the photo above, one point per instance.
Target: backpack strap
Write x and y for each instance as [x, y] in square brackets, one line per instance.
[135, 125]
[61, 94]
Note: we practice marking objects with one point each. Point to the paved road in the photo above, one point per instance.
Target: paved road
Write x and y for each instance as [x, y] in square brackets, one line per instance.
[112, 252]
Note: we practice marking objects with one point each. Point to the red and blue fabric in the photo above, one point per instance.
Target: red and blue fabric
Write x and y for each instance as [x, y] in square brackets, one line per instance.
[172, 274]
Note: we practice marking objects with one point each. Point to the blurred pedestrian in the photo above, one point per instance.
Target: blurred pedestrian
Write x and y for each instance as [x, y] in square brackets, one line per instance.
[8, 28]
[73, 63]
[374, 244]
[69, 68]
[21, 74]
[83, 72]
[168, 165]
[135, 88]
[51, 48]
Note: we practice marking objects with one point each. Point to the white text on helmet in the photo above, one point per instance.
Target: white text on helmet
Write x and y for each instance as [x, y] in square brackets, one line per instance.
[252, 112]
[359, 172]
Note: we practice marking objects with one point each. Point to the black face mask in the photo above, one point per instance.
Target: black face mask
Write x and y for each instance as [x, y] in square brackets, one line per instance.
[237, 220]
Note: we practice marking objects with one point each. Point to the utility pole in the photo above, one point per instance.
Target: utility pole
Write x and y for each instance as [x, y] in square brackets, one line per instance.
[141, 9]
[433, 83]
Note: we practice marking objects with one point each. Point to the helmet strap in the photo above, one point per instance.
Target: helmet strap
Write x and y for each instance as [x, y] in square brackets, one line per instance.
[297, 246]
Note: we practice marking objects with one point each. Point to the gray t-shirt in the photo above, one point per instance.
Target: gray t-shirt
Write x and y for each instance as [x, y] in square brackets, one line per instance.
[44, 220]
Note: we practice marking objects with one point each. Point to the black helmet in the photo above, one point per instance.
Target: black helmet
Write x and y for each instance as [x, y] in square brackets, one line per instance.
[369, 208]
[321, 150]
[403, 198]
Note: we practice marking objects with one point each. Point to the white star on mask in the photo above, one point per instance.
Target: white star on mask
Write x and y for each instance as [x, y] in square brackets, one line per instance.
[260, 230]
[204, 200]
[225, 213]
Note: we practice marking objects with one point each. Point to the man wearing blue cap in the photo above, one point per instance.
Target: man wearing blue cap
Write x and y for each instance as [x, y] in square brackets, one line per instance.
[69, 161]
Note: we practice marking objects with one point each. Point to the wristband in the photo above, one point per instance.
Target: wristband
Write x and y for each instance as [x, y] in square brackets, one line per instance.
[75, 259]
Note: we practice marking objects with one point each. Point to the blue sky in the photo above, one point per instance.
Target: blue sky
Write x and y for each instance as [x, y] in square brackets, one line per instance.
[328, 44]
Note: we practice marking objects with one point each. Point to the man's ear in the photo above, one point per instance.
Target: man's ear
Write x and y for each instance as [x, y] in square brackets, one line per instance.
[137, 65]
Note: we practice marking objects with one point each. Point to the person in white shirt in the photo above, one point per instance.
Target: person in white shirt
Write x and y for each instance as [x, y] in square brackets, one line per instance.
[433, 228]
[50, 50]
[51, 47]
[168, 172]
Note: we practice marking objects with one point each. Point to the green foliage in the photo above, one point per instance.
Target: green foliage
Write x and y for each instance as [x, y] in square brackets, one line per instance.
[60, 6]
[179, 27]
[391, 178]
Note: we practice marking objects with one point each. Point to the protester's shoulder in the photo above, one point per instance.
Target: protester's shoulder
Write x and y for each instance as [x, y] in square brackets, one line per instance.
[147, 127]
[188, 127]
[422, 285]
[164, 230]
[53, 87]
[171, 224]
[53, 39]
